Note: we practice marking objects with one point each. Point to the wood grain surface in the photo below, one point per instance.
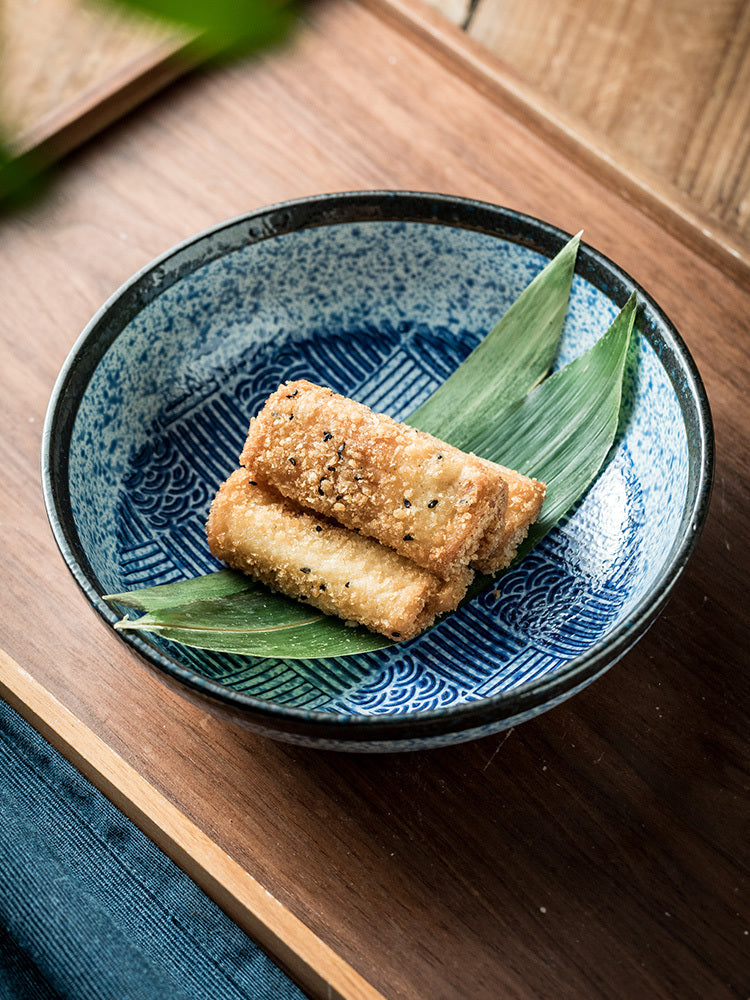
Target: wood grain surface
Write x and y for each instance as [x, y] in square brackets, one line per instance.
[599, 851]
[53, 50]
[654, 97]
[68, 68]
[663, 86]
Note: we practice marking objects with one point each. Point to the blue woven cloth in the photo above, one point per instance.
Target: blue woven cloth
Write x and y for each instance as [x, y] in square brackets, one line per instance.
[91, 909]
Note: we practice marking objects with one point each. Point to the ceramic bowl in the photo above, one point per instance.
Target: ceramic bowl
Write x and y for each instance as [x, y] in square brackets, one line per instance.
[379, 295]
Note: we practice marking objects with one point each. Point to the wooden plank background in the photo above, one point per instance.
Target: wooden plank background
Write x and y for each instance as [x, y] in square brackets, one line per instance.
[662, 87]
[663, 84]
[70, 67]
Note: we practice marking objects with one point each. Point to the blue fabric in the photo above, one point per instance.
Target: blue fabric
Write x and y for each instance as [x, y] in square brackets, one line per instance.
[91, 909]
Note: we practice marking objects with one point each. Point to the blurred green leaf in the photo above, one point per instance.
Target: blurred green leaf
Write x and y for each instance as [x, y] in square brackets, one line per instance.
[223, 29]
[22, 178]
[220, 30]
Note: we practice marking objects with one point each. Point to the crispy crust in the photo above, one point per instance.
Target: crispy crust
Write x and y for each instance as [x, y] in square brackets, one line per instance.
[525, 498]
[420, 496]
[257, 531]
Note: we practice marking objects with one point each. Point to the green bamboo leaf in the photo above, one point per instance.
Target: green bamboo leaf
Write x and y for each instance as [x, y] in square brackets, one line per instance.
[563, 431]
[223, 583]
[514, 356]
[568, 450]
[559, 430]
[226, 610]
[220, 29]
[278, 635]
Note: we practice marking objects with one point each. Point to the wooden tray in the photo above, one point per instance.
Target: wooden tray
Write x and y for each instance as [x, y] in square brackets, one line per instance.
[72, 68]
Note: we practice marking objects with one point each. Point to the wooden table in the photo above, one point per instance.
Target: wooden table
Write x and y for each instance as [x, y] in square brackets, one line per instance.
[599, 851]
[653, 95]
[661, 87]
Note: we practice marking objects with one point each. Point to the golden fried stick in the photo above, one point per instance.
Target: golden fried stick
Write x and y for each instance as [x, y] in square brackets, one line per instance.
[418, 495]
[525, 498]
[257, 531]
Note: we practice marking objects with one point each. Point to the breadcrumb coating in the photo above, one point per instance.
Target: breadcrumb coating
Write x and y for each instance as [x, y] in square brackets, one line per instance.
[415, 494]
[497, 549]
[298, 553]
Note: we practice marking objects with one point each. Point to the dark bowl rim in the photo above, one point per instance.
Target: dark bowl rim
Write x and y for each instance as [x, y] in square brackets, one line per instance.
[359, 207]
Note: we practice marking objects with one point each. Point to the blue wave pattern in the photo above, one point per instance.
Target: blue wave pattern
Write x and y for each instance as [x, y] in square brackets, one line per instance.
[382, 314]
[190, 449]
[536, 618]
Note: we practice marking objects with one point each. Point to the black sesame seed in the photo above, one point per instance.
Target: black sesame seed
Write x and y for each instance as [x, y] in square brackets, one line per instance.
[432, 503]
[396, 635]
[408, 538]
[322, 586]
[291, 416]
[347, 583]
[291, 395]
[327, 436]
[339, 496]
[318, 527]
[331, 468]
[407, 503]
[440, 458]
[293, 461]
[304, 569]
[341, 447]
[253, 483]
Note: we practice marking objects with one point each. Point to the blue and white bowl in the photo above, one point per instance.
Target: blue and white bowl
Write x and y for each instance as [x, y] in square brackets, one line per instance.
[379, 295]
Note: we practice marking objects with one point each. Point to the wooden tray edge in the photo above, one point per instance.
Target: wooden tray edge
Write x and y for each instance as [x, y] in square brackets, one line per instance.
[478, 66]
[98, 106]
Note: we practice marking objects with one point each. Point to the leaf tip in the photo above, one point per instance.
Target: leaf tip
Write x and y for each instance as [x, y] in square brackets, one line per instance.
[568, 254]
[629, 311]
[129, 623]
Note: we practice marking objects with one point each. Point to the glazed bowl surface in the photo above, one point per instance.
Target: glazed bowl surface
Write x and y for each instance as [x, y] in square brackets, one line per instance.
[379, 295]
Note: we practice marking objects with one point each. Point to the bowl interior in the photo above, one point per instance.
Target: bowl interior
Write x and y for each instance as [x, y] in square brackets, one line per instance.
[381, 311]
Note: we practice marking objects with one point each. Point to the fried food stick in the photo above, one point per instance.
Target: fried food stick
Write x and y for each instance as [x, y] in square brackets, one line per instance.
[525, 498]
[420, 496]
[257, 531]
